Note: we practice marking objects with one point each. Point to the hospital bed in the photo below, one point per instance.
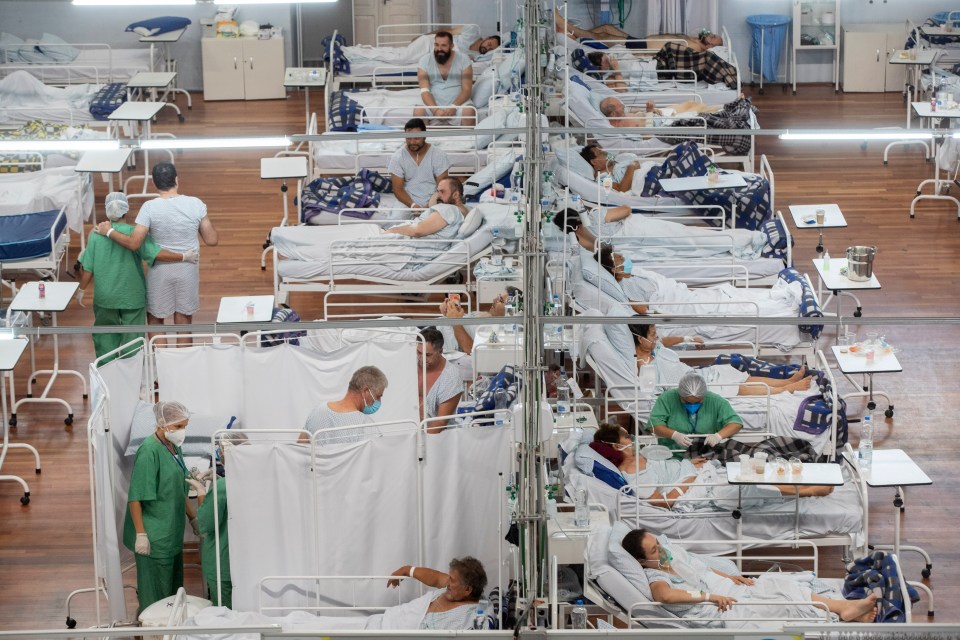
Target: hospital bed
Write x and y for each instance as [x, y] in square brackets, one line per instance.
[35, 242]
[377, 261]
[623, 595]
[54, 188]
[24, 98]
[95, 63]
[930, 35]
[838, 519]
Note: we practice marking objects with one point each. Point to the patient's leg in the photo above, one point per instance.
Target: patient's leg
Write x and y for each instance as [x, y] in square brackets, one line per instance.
[692, 106]
[609, 31]
[775, 386]
[851, 610]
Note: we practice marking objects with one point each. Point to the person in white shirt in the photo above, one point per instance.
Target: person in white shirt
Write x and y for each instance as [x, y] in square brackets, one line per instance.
[446, 84]
[417, 168]
[362, 400]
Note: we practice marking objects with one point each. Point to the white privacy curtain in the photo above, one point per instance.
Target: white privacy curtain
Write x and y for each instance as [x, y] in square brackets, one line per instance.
[206, 379]
[270, 518]
[277, 387]
[286, 382]
[681, 16]
[109, 432]
[367, 513]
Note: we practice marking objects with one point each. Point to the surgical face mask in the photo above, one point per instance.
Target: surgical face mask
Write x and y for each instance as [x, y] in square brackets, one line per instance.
[370, 409]
[176, 436]
[627, 266]
[692, 407]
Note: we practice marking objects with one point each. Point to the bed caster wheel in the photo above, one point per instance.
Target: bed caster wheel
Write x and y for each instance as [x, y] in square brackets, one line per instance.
[13, 421]
[794, 92]
[25, 499]
[863, 147]
[889, 412]
[181, 118]
[71, 623]
[898, 503]
[926, 574]
[30, 395]
[858, 313]
[266, 245]
[871, 405]
[68, 420]
[885, 163]
[761, 91]
[263, 268]
[38, 470]
[736, 514]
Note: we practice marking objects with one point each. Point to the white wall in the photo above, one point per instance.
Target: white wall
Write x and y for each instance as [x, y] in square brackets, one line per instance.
[815, 66]
[31, 18]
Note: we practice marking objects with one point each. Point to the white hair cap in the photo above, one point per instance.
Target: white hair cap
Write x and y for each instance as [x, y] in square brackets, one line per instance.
[692, 384]
[168, 413]
[116, 205]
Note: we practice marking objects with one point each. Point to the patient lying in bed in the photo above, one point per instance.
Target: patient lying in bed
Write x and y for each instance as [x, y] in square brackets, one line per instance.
[690, 589]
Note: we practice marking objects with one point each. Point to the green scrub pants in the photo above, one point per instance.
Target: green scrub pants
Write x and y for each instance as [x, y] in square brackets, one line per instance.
[226, 592]
[157, 578]
[107, 342]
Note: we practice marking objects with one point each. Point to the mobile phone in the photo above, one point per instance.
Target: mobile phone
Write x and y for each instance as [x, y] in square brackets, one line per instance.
[454, 298]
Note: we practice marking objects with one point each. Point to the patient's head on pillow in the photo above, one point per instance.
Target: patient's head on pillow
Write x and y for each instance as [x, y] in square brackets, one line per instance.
[468, 574]
[450, 191]
[644, 335]
[642, 545]
[611, 441]
[568, 220]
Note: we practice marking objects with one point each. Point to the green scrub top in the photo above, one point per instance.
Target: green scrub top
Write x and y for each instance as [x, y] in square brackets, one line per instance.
[118, 272]
[158, 483]
[207, 527]
[668, 410]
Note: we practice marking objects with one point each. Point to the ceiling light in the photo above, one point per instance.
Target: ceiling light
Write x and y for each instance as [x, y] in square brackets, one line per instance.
[59, 145]
[130, 3]
[215, 143]
[232, 2]
[855, 135]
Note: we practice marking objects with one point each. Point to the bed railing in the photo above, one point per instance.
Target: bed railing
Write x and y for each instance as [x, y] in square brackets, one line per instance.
[12, 64]
[412, 303]
[392, 35]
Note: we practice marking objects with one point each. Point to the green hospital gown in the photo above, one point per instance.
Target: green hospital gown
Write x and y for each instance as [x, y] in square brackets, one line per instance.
[120, 287]
[668, 410]
[208, 549]
[158, 484]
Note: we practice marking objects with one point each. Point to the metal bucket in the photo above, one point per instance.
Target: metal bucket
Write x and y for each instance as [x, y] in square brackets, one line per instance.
[860, 263]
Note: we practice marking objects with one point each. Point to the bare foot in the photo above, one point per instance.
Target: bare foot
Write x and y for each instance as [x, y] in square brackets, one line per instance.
[868, 617]
[858, 610]
[800, 385]
[799, 373]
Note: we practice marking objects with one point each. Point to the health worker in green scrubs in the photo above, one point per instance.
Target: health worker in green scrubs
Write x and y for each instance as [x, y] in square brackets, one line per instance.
[210, 524]
[120, 294]
[157, 506]
[692, 409]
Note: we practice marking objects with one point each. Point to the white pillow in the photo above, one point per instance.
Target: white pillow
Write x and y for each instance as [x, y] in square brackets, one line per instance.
[573, 161]
[482, 90]
[625, 563]
[146, 32]
[595, 275]
[496, 120]
[619, 335]
[583, 107]
[471, 223]
[57, 48]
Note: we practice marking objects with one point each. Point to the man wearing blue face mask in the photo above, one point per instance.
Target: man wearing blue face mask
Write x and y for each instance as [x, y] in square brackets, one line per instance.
[363, 399]
[692, 409]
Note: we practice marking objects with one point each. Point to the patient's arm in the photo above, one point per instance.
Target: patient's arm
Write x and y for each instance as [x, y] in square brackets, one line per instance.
[428, 226]
[615, 214]
[426, 575]
[626, 183]
[400, 191]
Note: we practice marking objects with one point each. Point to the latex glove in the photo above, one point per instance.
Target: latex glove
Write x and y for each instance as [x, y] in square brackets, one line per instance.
[205, 475]
[713, 439]
[142, 545]
[198, 486]
[681, 439]
[79, 296]
[192, 256]
[195, 525]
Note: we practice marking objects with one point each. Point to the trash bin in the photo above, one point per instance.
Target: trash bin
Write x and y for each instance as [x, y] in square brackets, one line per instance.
[769, 38]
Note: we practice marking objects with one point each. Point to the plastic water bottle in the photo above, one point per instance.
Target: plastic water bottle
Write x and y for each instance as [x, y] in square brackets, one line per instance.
[510, 311]
[515, 178]
[865, 450]
[496, 252]
[314, 75]
[581, 510]
[563, 400]
[515, 86]
[578, 616]
[575, 202]
[480, 618]
[556, 310]
[501, 409]
[826, 260]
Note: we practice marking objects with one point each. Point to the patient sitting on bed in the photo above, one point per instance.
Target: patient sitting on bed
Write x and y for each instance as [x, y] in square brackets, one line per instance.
[652, 116]
[444, 216]
[692, 590]
[330, 420]
[454, 605]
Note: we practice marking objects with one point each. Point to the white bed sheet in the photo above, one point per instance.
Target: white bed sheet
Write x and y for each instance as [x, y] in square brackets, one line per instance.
[393, 107]
[48, 189]
[313, 265]
[23, 98]
[712, 94]
[97, 65]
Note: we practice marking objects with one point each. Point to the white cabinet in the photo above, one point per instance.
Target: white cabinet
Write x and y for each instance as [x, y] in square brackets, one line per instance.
[866, 51]
[243, 69]
[816, 27]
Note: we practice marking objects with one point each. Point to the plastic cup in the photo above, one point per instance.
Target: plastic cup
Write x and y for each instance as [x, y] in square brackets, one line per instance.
[759, 463]
[843, 343]
[746, 468]
[870, 353]
[796, 467]
[780, 464]
[508, 263]
[821, 215]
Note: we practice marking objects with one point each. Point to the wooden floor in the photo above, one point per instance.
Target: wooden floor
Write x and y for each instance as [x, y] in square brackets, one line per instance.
[45, 548]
